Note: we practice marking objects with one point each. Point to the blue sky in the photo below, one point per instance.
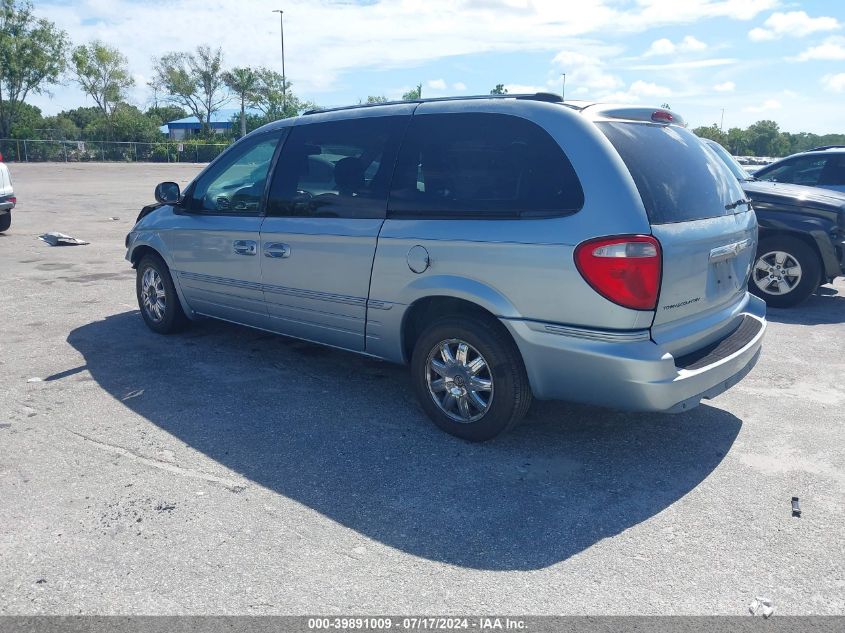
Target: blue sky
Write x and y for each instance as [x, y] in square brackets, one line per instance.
[756, 59]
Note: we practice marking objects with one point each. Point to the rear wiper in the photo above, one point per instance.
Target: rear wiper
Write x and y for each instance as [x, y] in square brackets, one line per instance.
[734, 205]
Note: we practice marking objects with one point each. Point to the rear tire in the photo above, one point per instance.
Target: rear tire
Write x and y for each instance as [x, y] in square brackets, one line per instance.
[157, 296]
[5, 221]
[483, 391]
[786, 271]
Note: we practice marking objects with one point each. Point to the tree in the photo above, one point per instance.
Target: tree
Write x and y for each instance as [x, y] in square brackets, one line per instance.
[193, 80]
[165, 114]
[101, 71]
[665, 106]
[245, 83]
[413, 94]
[275, 99]
[764, 138]
[376, 99]
[499, 90]
[33, 54]
[60, 128]
[28, 122]
[127, 123]
[712, 132]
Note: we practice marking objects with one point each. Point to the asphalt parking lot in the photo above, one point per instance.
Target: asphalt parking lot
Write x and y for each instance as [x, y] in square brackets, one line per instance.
[228, 471]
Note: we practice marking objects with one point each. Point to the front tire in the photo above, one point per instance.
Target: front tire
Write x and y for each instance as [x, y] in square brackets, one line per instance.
[786, 271]
[157, 296]
[5, 221]
[469, 377]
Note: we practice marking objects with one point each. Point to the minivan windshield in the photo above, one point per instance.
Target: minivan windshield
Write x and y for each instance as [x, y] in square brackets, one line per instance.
[679, 179]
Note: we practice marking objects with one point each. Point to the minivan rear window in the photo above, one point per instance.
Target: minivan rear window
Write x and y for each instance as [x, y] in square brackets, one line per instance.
[679, 179]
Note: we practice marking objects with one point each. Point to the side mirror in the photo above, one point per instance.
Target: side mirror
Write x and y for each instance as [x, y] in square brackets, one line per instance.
[168, 193]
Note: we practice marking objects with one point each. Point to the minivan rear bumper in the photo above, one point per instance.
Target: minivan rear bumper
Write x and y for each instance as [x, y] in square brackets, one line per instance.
[629, 371]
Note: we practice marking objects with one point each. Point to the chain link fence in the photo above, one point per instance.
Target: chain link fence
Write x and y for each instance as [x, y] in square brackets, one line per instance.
[31, 150]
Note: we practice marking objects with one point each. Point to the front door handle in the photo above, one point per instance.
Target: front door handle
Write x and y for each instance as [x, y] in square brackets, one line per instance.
[276, 250]
[245, 247]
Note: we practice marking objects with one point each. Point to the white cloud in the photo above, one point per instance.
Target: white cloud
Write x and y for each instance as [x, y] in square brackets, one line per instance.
[833, 48]
[648, 89]
[437, 84]
[665, 46]
[727, 86]
[766, 106]
[366, 36]
[585, 74]
[698, 63]
[834, 83]
[460, 86]
[792, 23]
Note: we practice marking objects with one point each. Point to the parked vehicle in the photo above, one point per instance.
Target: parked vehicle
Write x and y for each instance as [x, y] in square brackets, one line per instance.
[819, 167]
[802, 236]
[505, 247]
[7, 197]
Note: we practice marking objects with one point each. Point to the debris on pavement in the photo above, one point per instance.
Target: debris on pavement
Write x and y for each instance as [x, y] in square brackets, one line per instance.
[113, 217]
[796, 509]
[761, 606]
[35, 379]
[54, 238]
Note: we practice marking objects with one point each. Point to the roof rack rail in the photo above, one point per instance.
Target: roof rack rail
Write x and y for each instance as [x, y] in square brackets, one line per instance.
[536, 96]
[824, 147]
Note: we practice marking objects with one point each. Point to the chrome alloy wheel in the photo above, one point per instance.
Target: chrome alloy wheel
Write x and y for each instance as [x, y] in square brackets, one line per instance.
[459, 380]
[153, 295]
[777, 273]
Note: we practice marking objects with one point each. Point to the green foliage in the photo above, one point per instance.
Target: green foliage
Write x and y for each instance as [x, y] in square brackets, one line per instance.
[499, 90]
[102, 73]
[712, 132]
[275, 99]
[413, 94]
[764, 138]
[166, 114]
[127, 123]
[81, 117]
[58, 127]
[27, 121]
[374, 99]
[193, 81]
[33, 54]
[245, 83]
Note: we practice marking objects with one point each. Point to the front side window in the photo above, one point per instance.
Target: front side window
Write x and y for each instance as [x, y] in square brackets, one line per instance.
[234, 185]
[336, 168]
[833, 172]
[804, 170]
[482, 165]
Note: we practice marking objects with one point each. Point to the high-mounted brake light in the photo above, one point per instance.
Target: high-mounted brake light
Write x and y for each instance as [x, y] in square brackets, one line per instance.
[625, 269]
[662, 116]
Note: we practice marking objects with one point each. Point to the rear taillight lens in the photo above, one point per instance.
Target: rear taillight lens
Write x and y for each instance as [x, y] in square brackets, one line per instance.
[13, 200]
[625, 269]
[662, 116]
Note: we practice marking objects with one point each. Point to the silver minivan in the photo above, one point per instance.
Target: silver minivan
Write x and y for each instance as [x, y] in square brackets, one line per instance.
[507, 248]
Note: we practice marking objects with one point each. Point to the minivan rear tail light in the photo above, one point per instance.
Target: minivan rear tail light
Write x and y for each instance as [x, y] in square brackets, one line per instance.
[662, 116]
[625, 269]
[13, 200]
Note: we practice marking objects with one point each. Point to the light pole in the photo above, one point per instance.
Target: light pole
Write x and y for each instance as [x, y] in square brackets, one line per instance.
[284, 76]
[563, 88]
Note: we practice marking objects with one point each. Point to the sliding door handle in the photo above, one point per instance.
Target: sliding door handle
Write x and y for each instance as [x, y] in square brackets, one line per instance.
[245, 247]
[276, 250]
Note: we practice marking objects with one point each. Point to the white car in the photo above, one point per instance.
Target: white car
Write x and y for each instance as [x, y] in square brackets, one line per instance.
[7, 197]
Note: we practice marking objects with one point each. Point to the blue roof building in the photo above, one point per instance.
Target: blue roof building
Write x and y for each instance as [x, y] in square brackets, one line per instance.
[221, 123]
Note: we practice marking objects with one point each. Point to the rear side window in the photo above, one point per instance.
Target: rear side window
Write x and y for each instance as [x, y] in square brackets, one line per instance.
[336, 168]
[804, 170]
[481, 165]
[678, 178]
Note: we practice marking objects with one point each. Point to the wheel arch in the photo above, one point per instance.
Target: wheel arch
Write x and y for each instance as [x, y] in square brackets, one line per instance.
[817, 240]
[425, 310]
[139, 251]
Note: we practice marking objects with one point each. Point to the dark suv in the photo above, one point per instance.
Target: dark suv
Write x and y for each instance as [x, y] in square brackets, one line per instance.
[802, 236]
